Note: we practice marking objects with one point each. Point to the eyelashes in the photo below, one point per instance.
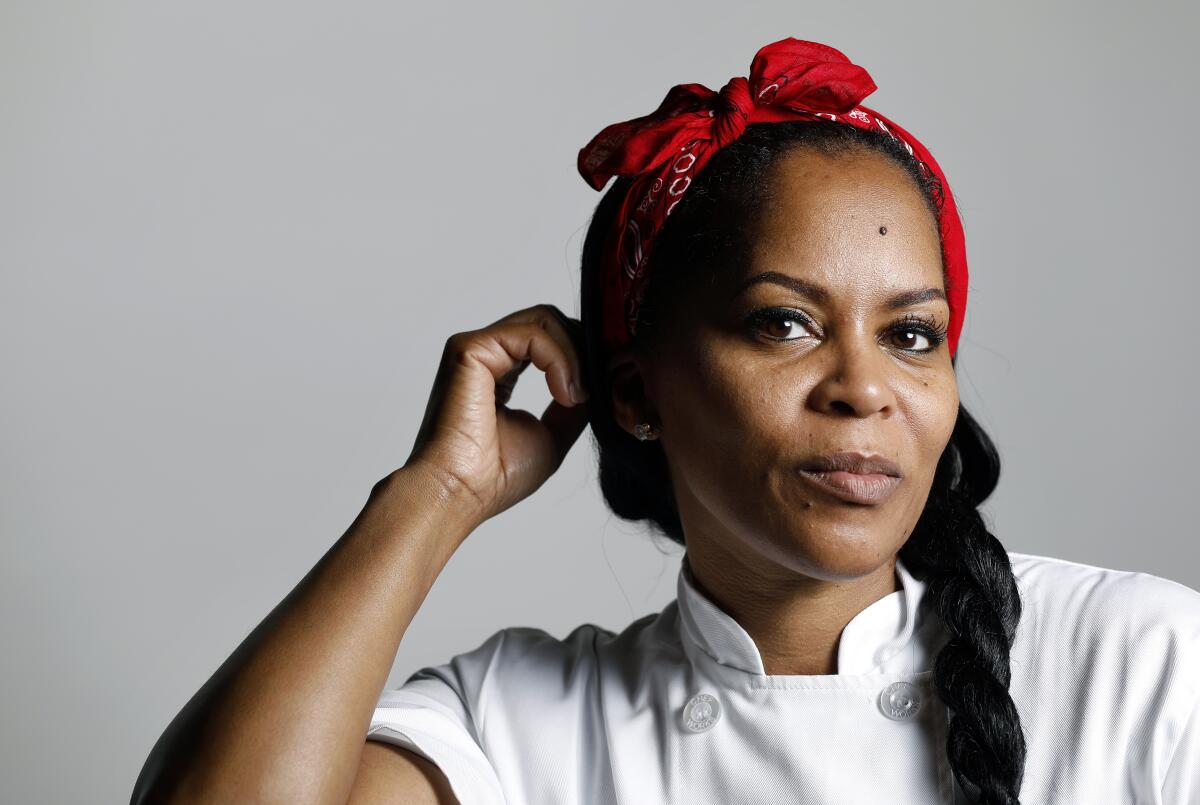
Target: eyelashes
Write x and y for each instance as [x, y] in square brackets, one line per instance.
[920, 324]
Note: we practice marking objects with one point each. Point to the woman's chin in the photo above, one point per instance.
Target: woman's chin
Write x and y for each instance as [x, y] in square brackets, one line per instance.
[838, 552]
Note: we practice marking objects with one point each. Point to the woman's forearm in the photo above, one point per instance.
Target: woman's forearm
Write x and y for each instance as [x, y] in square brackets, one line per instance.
[284, 717]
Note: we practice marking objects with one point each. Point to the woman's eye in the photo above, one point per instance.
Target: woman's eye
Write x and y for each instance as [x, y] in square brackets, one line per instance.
[783, 324]
[779, 324]
[911, 340]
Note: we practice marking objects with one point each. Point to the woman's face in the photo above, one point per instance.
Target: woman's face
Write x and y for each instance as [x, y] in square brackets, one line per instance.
[741, 402]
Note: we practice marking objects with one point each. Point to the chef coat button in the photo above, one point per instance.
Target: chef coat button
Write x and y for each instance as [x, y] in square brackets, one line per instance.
[701, 712]
[900, 700]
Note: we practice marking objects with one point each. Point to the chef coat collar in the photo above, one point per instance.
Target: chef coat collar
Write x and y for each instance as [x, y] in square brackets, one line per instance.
[872, 642]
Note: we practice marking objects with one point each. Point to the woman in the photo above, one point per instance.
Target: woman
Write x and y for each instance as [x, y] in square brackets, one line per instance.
[772, 294]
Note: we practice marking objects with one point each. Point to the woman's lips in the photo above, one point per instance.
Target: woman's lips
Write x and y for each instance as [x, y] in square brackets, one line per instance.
[853, 487]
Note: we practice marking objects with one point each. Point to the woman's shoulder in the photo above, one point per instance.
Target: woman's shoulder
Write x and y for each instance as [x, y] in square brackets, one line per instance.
[1104, 593]
[537, 660]
[1106, 663]
[1134, 618]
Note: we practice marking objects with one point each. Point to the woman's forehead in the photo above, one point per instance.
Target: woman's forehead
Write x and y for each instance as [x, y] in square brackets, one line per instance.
[854, 222]
[811, 195]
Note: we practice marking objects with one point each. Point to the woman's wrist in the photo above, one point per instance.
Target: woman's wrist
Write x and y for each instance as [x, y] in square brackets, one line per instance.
[418, 493]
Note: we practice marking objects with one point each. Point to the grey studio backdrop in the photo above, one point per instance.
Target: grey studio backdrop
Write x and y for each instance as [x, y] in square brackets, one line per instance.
[235, 237]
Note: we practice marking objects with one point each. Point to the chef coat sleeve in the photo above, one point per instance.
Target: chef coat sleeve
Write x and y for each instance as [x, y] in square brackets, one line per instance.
[1181, 608]
[1182, 783]
[432, 714]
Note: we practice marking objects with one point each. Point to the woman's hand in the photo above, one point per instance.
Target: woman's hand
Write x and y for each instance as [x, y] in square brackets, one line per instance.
[486, 454]
[473, 458]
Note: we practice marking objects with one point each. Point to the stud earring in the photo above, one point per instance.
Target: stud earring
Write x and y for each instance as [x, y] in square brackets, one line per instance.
[645, 431]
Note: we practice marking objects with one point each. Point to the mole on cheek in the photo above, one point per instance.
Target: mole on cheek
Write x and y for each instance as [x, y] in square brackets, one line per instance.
[883, 230]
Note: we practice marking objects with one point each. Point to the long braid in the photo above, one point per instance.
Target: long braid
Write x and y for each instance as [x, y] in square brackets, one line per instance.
[970, 583]
[972, 589]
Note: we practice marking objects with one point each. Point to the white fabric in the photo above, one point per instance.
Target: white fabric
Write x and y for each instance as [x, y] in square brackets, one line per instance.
[1105, 676]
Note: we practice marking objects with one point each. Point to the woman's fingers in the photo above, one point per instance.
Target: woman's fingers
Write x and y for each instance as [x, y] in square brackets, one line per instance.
[564, 425]
[556, 350]
[470, 435]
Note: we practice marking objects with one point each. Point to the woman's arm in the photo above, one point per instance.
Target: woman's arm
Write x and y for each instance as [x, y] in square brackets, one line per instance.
[388, 774]
[285, 717]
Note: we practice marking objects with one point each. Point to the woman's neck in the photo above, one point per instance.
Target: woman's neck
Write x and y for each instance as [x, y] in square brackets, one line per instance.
[795, 620]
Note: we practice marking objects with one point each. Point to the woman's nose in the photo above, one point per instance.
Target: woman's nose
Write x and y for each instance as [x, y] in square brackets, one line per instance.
[854, 379]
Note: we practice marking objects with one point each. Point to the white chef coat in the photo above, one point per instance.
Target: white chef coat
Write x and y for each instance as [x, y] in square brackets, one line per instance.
[677, 708]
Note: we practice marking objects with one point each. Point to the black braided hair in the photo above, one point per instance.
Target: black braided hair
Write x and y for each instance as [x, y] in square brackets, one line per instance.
[970, 583]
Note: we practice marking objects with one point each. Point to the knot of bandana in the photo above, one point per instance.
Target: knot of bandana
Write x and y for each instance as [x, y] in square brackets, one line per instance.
[791, 79]
[735, 108]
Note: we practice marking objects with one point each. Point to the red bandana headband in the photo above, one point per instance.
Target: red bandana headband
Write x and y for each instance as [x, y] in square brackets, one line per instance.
[791, 79]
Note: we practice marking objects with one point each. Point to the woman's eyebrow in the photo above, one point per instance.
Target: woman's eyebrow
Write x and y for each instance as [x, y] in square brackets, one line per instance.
[821, 296]
[914, 297]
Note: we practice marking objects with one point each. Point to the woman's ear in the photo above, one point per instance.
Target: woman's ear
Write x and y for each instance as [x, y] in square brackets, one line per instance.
[631, 402]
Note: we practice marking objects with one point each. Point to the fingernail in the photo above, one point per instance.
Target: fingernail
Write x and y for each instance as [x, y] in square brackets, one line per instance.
[576, 395]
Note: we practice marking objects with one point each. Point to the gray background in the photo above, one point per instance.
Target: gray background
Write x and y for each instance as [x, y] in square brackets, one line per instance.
[235, 236]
